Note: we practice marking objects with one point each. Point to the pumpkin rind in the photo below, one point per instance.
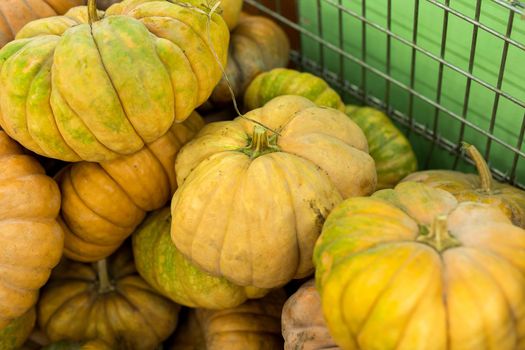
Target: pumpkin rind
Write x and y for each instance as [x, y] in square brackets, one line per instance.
[17, 331]
[392, 152]
[257, 45]
[129, 313]
[303, 325]
[160, 263]
[87, 345]
[230, 10]
[103, 203]
[273, 204]
[108, 107]
[423, 271]
[31, 239]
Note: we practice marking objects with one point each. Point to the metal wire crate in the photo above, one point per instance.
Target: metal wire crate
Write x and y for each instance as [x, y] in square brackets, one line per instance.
[446, 71]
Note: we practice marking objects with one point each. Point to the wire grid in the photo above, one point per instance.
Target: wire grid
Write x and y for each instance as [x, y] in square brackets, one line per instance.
[435, 144]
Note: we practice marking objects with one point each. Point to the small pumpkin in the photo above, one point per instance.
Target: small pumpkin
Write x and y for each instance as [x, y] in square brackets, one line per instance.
[78, 91]
[85, 345]
[17, 331]
[14, 14]
[479, 187]
[411, 268]
[283, 81]
[391, 150]
[257, 45]
[107, 301]
[31, 239]
[247, 192]
[160, 263]
[254, 325]
[103, 203]
[303, 325]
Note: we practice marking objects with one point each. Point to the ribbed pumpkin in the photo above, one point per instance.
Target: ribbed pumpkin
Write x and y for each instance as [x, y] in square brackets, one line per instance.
[410, 268]
[14, 14]
[17, 331]
[160, 263]
[303, 325]
[230, 10]
[31, 239]
[257, 45]
[108, 301]
[392, 152]
[254, 325]
[85, 345]
[103, 203]
[477, 187]
[251, 202]
[75, 91]
[283, 81]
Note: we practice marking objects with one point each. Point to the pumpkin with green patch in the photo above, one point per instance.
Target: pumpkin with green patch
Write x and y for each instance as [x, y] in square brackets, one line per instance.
[17, 331]
[74, 91]
[413, 268]
[252, 199]
[160, 263]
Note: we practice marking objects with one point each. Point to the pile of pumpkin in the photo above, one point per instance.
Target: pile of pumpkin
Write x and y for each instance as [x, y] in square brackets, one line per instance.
[161, 229]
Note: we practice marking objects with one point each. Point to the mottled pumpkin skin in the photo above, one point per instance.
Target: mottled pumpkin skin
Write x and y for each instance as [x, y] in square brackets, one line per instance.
[392, 152]
[254, 325]
[303, 325]
[235, 207]
[467, 187]
[31, 240]
[14, 14]
[103, 203]
[283, 81]
[74, 92]
[160, 263]
[130, 315]
[17, 331]
[257, 45]
[380, 271]
[87, 345]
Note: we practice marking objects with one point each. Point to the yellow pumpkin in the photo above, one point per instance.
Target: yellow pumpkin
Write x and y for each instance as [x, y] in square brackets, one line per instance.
[230, 10]
[103, 203]
[411, 268]
[107, 301]
[478, 188]
[247, 193]
[31, 239]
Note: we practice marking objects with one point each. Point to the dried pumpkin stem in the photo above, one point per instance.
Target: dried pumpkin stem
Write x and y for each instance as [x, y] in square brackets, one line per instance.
[261, 143]
[439, 237]
[92, 11]
[105, 285]
[482, 167]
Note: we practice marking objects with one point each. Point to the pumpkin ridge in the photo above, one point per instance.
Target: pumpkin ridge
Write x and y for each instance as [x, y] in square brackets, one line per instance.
[62, 305]
[5, 20]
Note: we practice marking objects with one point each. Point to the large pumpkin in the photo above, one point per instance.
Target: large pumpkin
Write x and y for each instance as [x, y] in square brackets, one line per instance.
[14, 14]
[254, 325]
[108, 301]
[78, 91]
[17, 331]
[477, 187]
[257, 45]
[391, 150]
[31, 239]
[410, 268]
[247, 193]
[160, 263]
[103, 203]
[303, 325]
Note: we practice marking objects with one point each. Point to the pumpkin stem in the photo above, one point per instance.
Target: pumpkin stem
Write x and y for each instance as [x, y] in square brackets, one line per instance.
[261, 143]
[438, 236]
[482, 167]
[92, 11]
[105, 285]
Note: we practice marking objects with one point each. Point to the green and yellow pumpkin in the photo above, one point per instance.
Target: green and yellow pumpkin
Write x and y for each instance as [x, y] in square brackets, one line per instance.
[75, 91]
[160, 263]
[411, 268]
[17, 331]
[102, 203]
[108, 301]
[31, 240]
[479, 187]
[248, 192]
